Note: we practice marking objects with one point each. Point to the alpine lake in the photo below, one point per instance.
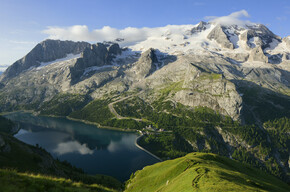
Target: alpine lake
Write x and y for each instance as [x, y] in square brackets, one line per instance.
[95, 150]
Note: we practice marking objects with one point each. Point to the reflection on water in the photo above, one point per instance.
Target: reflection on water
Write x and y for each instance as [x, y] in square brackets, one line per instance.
[72, 147]
[86, 146]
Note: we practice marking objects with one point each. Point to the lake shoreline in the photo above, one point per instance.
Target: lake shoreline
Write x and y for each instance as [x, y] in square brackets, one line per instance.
[95, 124]
[91, 149]
[145, 150]
[102, 126]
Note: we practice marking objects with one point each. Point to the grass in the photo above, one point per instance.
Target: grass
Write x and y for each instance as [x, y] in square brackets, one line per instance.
[11, 180]
[6, 125]
[96, 111]
[203, 172]
[210, 76]
[63, 104]
[173, 87]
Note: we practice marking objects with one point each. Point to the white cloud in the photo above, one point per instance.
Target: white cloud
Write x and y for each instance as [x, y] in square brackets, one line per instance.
[130, 34]
[3, 67]
[231, 19]
[133, 35]
[72, 147]
[125, 143]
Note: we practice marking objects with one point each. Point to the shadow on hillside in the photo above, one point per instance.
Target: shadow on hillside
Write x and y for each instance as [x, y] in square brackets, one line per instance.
[261, 104]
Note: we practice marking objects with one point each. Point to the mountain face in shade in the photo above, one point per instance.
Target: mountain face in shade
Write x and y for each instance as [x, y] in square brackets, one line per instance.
[45, 51]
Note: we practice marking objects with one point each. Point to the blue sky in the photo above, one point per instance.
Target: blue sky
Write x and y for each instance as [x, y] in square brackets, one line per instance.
[23, 22]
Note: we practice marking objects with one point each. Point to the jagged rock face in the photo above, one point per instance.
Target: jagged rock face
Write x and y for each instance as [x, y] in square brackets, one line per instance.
[210, 90]
[263, 35]
[45, 51]
[105, 68]
[97, 55]
[145, 66]
[199, 28]
[287, 41]
[220, 95]
[257, 54]
[194, 87]
[220, 37]
[240, 57]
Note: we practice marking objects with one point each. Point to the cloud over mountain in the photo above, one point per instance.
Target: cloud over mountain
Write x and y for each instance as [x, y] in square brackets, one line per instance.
[234, 18]
[131, 34]
[107, 33]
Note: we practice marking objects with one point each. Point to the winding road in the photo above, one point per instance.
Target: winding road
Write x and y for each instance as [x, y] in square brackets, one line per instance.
[112, 109]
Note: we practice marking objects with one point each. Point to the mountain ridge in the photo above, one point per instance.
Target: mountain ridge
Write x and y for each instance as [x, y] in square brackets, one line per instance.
[236, 76]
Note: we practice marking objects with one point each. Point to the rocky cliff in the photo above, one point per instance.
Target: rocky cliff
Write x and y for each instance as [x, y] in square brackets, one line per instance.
[48, 50]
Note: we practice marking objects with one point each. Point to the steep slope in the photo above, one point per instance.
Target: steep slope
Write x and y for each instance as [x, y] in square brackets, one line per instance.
[203, 172]
[43, 52]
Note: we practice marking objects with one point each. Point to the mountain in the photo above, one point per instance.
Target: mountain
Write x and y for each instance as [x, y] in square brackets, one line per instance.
[203, 172]
[210, 87]
[44, 52]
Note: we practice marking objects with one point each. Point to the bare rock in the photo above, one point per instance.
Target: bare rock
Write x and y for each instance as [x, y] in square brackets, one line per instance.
[199, 28]
[220, 37]
[257, 54]
[48, 50]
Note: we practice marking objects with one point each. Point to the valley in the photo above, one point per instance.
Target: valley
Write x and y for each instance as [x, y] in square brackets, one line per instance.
[211, 100]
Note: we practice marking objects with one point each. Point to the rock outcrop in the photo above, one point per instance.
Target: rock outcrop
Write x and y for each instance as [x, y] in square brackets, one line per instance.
[257, 54]
[210, 90]
[287, 41]
[199, 28]
[145, 66]
[220, 37]
[46, 51]
[263, 36]
[97, 55]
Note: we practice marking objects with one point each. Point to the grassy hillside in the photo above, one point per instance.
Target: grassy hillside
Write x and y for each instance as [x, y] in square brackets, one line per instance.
[6, 125]
[203, 172]
[63, 104]
[11, 181]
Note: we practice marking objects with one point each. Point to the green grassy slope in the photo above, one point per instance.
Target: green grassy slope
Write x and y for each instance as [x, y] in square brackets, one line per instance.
[203, 172]
[63, 104]
[11, 181]
[6, 125]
